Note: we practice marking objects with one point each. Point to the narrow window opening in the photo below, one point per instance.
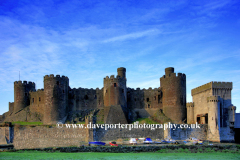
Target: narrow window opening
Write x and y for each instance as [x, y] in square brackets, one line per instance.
[198, 120]
[58, 83]
[106, 91]
[95, 96]
[206, 118]
[147, 99]
[148, 105]
[86, 97]
[39, 99]
[115, 85]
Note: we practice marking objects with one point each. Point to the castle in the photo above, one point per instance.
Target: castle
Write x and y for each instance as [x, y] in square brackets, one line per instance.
[117, 103]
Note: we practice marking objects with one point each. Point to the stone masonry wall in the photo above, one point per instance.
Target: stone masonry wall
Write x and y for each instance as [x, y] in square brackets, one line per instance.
[182, 134]
[116, 133]
[37, 101]
[200, 103]
[43, 136]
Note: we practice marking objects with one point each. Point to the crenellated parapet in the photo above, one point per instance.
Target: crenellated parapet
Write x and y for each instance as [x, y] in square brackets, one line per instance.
[212, 85]
[169, 73]
[51, 76]
[24, 83]
[190, 104]
[213, 99]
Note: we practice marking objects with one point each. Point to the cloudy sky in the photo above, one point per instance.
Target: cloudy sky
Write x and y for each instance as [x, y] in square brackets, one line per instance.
[88, 40]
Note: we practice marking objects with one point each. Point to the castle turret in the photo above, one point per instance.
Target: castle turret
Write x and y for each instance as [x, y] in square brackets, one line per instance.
[21, 94]
[190, 112]
[122, 72]
[231, 115]
[115, 94]
[115, 89]
[213, 118]
[174, 95]
[56, 99]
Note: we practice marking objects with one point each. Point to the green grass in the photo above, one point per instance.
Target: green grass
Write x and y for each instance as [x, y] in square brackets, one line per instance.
[27, 123]
[110, 156]
[81, 123]
[146, 121]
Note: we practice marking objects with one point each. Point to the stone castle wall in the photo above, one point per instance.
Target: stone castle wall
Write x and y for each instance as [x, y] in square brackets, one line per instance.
[116, 133]
[145, 102]
[82, 99]
[200, 103]
[37, 102]
[43, 136]
[184, 133]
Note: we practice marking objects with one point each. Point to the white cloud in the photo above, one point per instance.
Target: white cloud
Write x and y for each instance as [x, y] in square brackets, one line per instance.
[132, 36]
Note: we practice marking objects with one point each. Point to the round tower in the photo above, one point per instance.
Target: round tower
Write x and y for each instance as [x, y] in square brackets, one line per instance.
[56, 99]
[190, 112]
[21, 94]
[115, 98]
[174, 95]
[169, 70]
[115, 90]
[122, 72]
[213, 118]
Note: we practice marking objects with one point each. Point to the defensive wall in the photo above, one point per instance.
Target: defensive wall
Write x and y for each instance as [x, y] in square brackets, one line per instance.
[184, 133]
[51, 136]
[46, 136]
[113, 134]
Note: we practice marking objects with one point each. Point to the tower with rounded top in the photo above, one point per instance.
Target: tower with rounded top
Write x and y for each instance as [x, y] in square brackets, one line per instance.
[115, 90]
[213, 118]
[56, 99]
[174, 95]
[21, 94]
[115, 94]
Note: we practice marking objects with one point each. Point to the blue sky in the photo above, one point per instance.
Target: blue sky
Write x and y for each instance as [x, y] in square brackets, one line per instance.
[88, 40]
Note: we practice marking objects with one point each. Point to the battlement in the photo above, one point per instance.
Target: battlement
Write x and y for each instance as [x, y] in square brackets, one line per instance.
[138, 89]
[213, 99]
[182, 75]
[226, 85]
[113, 78]
[52, 76]
[212, 85]
[232, 108]
[190, 104]
[24, 83]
